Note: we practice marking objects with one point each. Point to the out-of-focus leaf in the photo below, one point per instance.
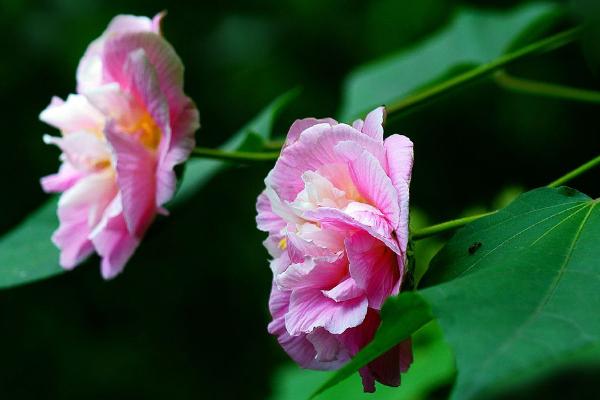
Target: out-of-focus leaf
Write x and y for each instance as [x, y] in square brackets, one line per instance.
[473, 37]
[401, 316]
[432, 368]
[519, 289]
[26, 252]
[198, 171]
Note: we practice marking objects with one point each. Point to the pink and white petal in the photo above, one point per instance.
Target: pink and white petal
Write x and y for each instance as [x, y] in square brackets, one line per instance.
[64, 179]
[114, 103]
[161, 56]
[314, 272]
[93, 192]
[371, 181]
[345, 290]
[130, 23]
[140, 78]
[358, 124]
[83, 150]
[310, 309]
[89, 70]
[300, 125]
[371, 217]
[280, 207]
[279, 264]
[373, 125]
[299, 348]
[328, 347]
[266, 219]
[74, 115]
[71, 237]
[136, 177]
[337, 220]
[314, 149]
[115, 245]
[182, 143]
[400, 158]
[402, 232]
[299, 247]
[374, 267]
[79, 209]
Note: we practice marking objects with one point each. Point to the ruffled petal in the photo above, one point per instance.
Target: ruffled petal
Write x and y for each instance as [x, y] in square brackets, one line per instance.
[89, 70]
[371, 181]
[374, 267]
[300, 125]
[80, 208]
[66, 177]
[317, 272]
[373, 125]
[115, 245]
[314, 149]
[310, 309]
[136, 168]
[74, 115]
[302, 350]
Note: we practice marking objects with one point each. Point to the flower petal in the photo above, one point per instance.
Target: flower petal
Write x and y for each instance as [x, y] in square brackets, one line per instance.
[314, 149]
[115, 245]
[373, 125]
[310, 309]
[136, 168]
[371, 181]
[89, 70]
[299, 348]
[66, 177]
[374, 267]
[79, 209]
[400, 158]
[74, 115]
[314, 272]
[300, 125]
[267, 220]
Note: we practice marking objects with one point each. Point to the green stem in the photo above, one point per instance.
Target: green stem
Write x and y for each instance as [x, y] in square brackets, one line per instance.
[443, 227]
[481, 71]
[575, 173]
[238, 156]
[446, 226]
[527, 86]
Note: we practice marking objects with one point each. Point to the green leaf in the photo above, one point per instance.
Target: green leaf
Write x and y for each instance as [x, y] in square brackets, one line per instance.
[519, 289]
[432, 368]
[27, 253]
[401, 316]
[474, 37]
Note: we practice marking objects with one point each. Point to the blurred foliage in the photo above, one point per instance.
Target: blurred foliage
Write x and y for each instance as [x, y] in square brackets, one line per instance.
[188, 316]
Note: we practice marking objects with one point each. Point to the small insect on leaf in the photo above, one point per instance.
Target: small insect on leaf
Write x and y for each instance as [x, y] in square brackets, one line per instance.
[474, 247]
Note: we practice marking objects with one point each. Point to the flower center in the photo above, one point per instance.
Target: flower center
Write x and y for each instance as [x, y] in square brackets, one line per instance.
[146, 131]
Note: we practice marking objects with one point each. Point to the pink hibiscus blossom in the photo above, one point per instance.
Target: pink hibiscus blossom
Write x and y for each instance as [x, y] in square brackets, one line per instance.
[123, 132]
[336, 211]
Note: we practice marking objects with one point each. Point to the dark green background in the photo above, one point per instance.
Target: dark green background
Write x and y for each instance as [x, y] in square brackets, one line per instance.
[187, 318]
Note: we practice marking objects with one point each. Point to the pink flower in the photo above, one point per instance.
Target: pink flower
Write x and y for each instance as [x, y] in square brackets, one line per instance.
[336, 210]
[122, 134]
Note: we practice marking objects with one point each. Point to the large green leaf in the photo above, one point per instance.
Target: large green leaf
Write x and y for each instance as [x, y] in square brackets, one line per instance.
[26, 252]
[519, 289]
[432, 368]
[472, 38]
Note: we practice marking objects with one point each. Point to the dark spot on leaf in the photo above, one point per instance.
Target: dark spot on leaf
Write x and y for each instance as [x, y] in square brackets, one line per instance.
[474, 247]
[567, 191]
